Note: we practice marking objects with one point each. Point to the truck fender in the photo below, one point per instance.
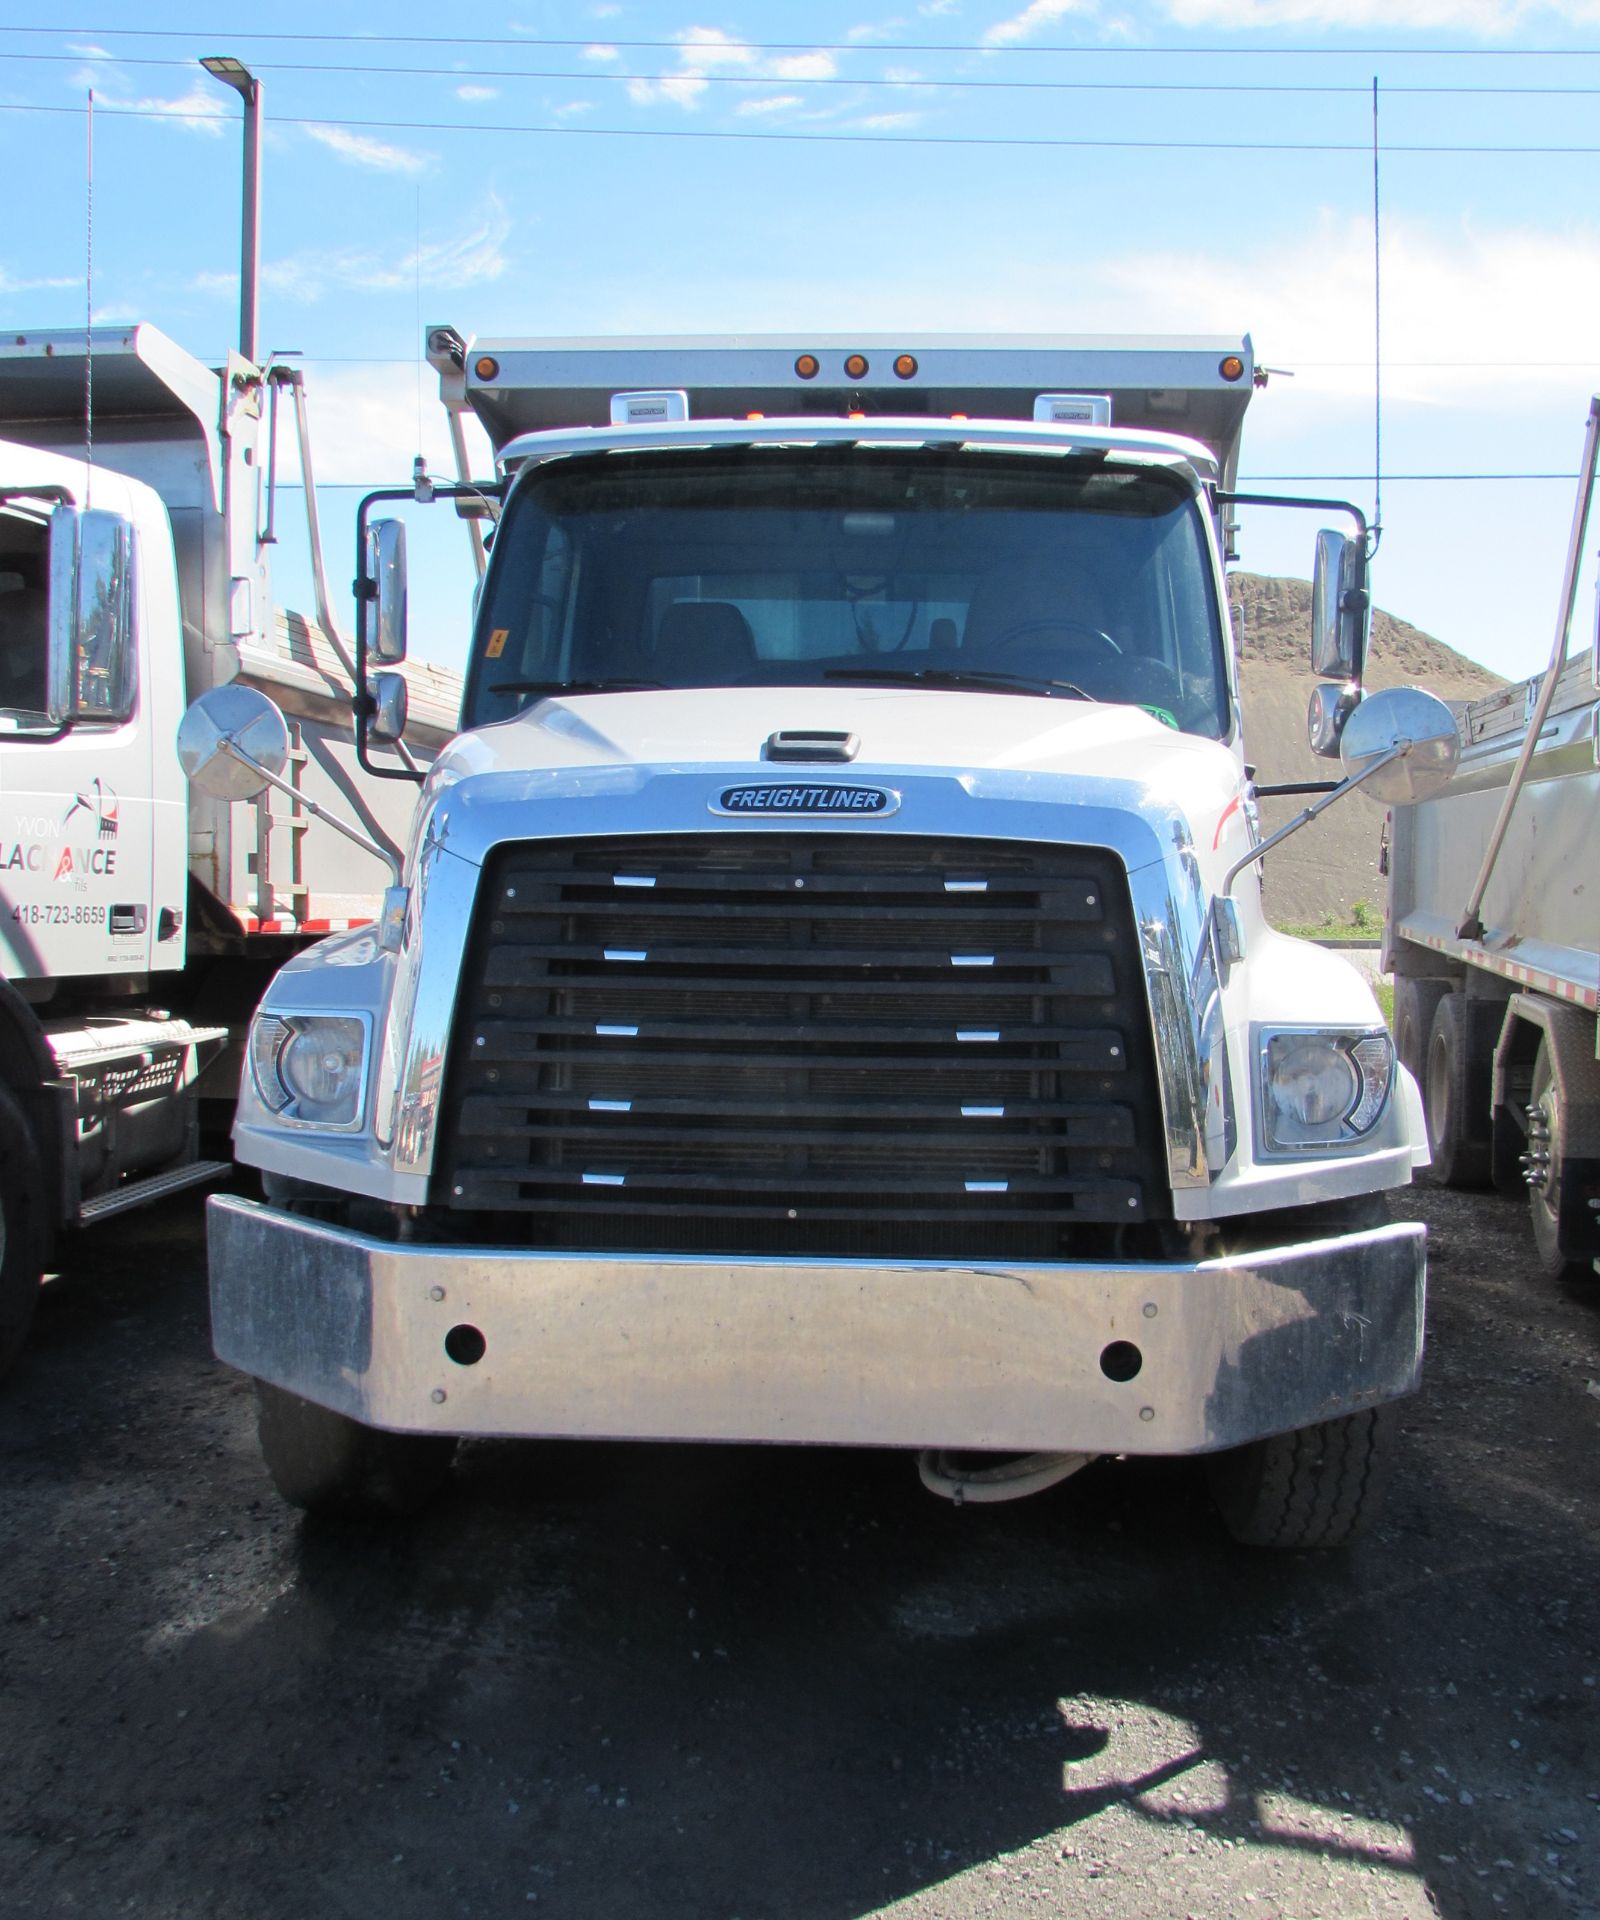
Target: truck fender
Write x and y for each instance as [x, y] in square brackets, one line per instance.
[1571, 1036]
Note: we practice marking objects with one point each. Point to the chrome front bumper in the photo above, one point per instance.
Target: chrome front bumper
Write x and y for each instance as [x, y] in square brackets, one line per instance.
[902, 1354]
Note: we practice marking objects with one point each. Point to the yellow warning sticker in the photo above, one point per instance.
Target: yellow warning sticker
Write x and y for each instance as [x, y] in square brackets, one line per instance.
[497, 643]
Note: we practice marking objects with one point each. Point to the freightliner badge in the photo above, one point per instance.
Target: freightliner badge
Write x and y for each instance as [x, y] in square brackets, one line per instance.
[807, 797]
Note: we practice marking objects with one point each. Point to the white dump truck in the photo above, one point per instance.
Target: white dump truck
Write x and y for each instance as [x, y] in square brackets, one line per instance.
[830, 1001]
[140, 919]
[1493, 933]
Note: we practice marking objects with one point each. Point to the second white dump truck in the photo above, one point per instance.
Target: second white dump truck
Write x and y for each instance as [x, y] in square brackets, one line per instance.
[832, 1001]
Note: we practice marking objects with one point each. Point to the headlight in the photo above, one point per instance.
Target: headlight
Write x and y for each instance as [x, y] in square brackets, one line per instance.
[1322, 1090]
[310, 1067]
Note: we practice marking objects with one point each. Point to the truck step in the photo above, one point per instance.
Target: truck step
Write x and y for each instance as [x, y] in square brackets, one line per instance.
[140, 1193]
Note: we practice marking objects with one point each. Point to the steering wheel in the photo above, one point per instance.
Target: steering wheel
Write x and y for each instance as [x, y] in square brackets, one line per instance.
[1053, 628]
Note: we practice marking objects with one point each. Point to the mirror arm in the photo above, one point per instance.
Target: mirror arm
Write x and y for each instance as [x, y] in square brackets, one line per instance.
[387, 855]
[1397, 752]
[1226, 499]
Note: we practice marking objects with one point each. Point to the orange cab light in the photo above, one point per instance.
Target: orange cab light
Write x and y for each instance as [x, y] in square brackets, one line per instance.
[755, 416]
[906, 366]
[856, 366]
[488, 368]
[1232, 368]
[958, 416]
[807, 366]
[853, 415]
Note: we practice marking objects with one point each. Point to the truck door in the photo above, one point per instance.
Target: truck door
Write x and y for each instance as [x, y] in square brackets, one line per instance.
[75, 798]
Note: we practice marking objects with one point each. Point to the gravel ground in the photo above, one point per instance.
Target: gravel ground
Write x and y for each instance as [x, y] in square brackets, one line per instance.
[646, 1681]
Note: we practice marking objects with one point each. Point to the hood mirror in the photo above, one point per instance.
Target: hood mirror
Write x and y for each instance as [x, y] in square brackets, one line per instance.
[233, 742]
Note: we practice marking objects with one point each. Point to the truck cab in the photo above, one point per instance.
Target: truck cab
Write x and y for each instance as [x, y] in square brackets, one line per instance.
[833, 1002]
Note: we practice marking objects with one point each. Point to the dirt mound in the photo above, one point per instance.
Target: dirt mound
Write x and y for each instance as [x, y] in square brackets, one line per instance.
[1330, 865]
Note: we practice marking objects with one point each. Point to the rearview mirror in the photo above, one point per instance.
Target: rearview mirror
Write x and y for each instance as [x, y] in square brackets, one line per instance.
[89, 662]
[383, 611]
[1338, 606]
[389, 702]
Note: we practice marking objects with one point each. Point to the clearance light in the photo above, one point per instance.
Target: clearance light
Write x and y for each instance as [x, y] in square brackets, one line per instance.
[1232, 368]
[906, 367]
[854, 415]
[807, 366]
[755, 416]
[488, 368]
[856, 366]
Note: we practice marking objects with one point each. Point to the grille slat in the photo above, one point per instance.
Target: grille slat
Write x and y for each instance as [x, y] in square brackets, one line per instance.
[620, 1078]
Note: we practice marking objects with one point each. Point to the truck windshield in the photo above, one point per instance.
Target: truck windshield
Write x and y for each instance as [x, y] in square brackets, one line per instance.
[1061, 576]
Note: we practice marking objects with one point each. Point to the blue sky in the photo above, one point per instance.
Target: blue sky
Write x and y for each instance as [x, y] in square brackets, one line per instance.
[1067, 165]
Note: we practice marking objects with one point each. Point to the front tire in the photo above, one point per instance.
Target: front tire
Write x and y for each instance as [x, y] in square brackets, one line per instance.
[21, 1234]
[1298, 1492]
[324, 1463]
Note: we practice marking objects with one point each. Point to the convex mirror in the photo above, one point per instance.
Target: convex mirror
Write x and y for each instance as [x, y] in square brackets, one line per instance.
[389, 703]
[233, 742]
[1406, 717]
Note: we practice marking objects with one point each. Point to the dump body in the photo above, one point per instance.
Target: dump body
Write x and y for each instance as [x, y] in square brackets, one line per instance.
[1493, 933]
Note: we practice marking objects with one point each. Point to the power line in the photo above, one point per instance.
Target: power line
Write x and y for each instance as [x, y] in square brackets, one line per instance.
[890, 83]
[886, 139]
[844, 46]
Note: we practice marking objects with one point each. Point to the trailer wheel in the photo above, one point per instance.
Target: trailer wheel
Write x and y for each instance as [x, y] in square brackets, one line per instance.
[1546, 1136]
[1319, 1487]
[21, 1242]
[1454, 1093]
[1415, 1002]
[327, 1464]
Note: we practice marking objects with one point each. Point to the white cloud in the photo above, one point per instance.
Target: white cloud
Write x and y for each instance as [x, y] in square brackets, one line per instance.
[572, 109]
[890, 122]
[10, 284]
[601, 53]
[201, 109]
[475, 94]
[805, 66]
[361, 150]
[769, 103]
[1488, 19]
[466, 259]
[1040, 14]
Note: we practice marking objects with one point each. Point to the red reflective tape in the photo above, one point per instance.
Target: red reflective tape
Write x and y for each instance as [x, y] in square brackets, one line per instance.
[1228, 811]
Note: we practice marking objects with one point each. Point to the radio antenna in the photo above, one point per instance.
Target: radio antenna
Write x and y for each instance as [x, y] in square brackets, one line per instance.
[1377, 337]
[88, 314]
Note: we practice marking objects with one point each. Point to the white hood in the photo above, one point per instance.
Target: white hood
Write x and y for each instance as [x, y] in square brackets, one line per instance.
[897, 728]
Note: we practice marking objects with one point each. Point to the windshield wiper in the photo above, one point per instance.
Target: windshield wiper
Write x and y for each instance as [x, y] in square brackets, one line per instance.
[963, 677]
[573, 686]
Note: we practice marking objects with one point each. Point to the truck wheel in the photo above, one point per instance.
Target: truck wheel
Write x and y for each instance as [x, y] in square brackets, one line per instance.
[1456, 1098]
[1546, 1133]
[21, 1249]
[1415, 1002]
[1316, 1488]
[327, 1464]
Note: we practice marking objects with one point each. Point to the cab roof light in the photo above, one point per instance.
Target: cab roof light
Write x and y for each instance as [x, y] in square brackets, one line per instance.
[905, 367]
[808, 366]
[857, 366]
[1231, 367]
[486, 367]
[652, 409]
[1073, 409]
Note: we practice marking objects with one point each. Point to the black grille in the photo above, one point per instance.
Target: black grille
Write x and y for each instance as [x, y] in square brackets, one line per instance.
[835, 1044]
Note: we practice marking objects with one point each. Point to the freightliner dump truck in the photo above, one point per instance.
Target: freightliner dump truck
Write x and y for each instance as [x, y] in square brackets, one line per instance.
[830, 1001]
[140, 919]
[1493, 933]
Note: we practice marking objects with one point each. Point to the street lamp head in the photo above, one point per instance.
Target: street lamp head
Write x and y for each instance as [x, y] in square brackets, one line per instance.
[232, 73]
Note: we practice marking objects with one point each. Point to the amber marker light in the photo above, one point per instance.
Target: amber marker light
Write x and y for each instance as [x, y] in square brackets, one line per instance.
[488, 368]
[906, 366]
[807, 366]
[856, 366]
[1232, 368]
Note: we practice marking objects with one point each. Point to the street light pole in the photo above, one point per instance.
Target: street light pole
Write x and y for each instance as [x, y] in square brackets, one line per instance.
[233, 73]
